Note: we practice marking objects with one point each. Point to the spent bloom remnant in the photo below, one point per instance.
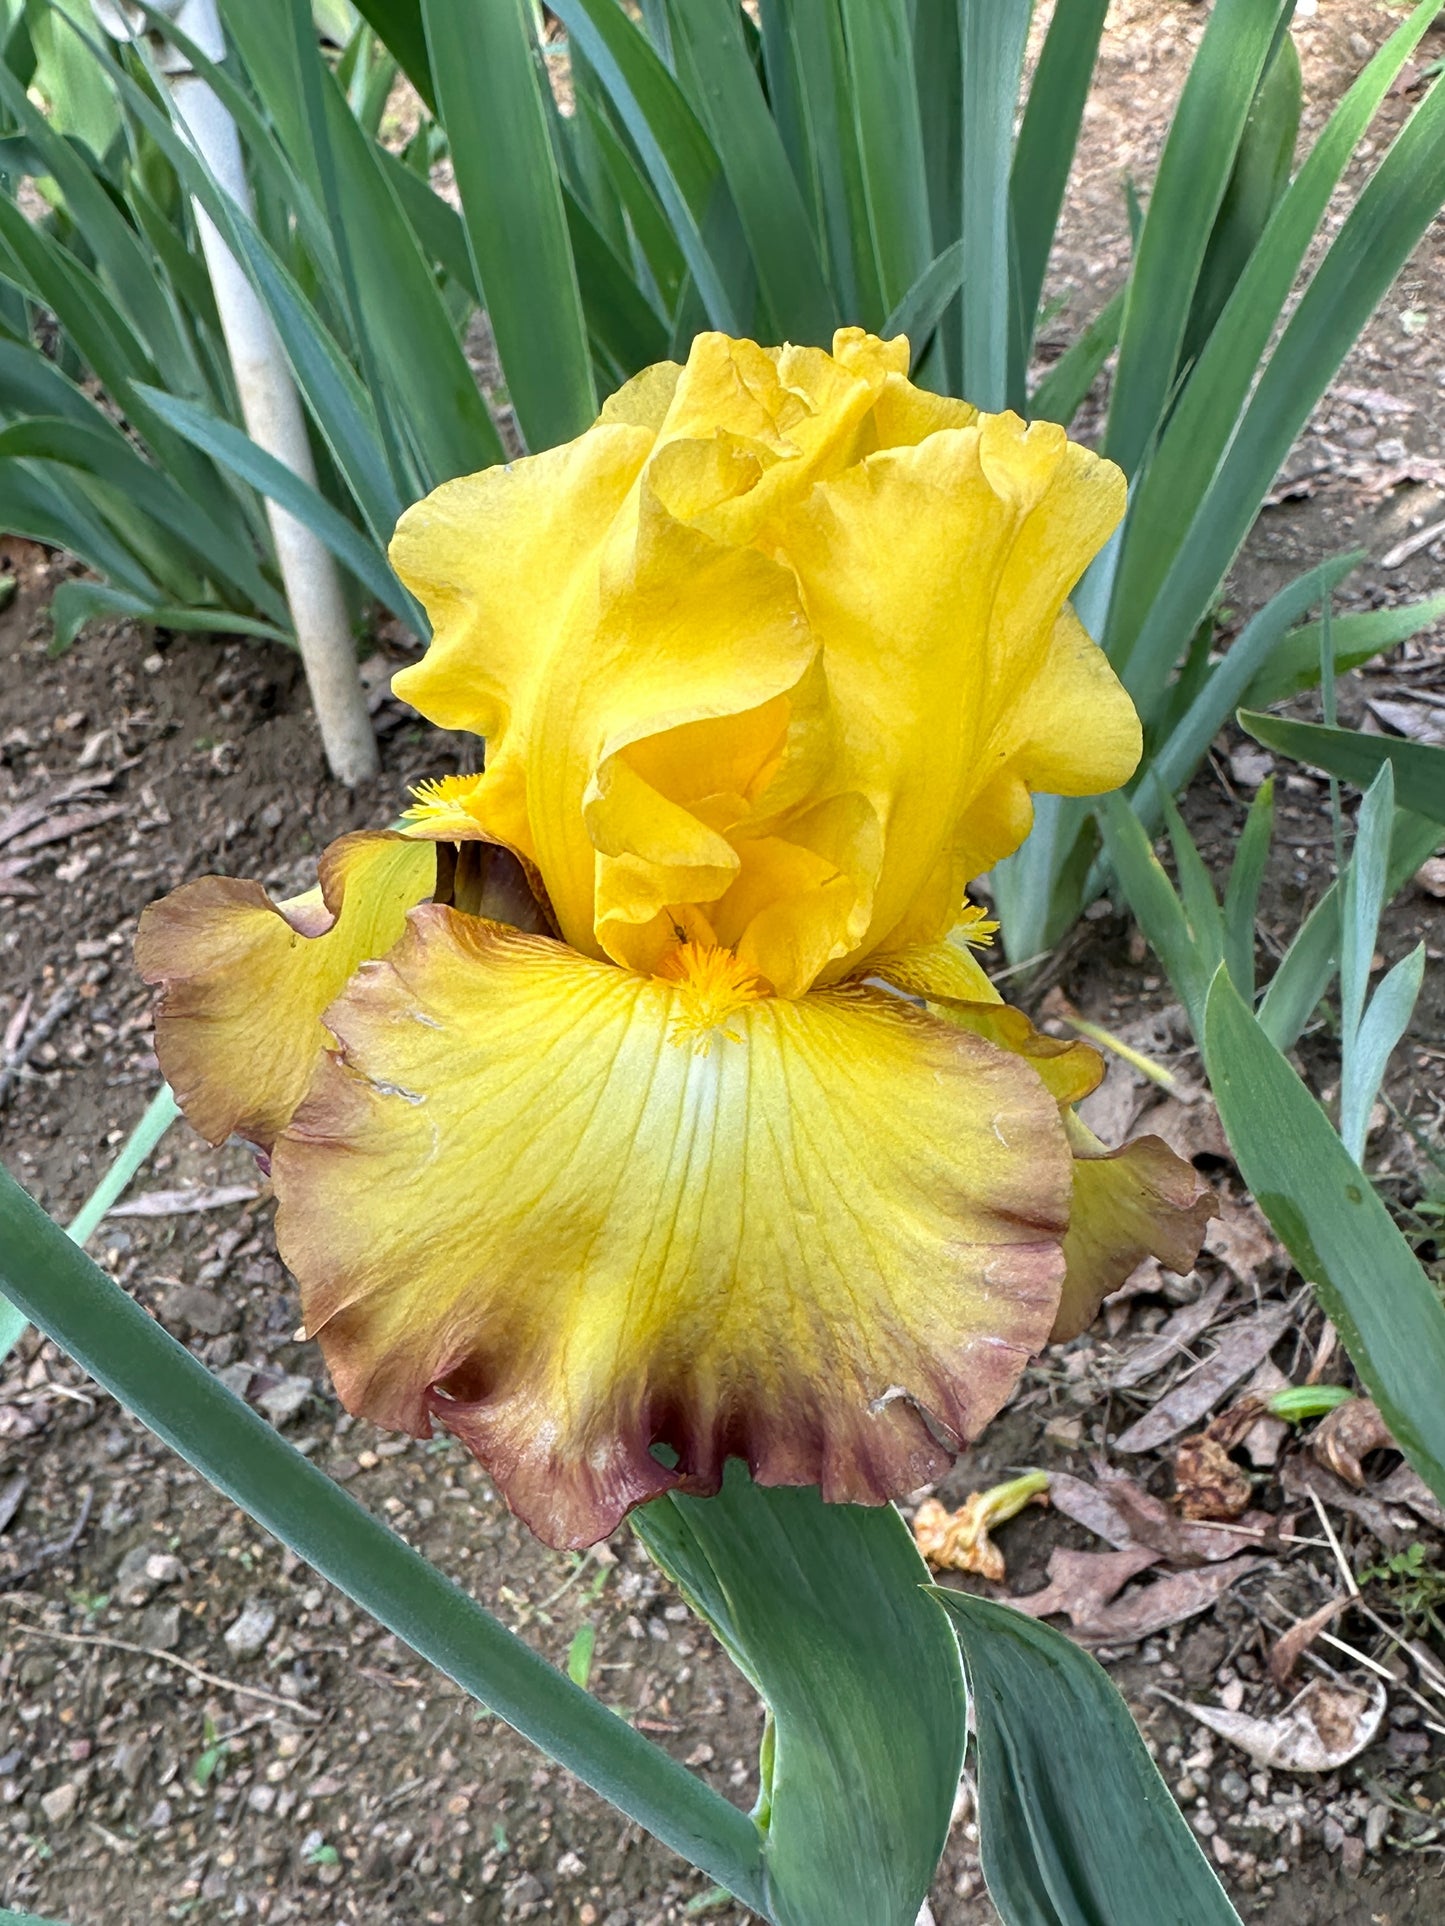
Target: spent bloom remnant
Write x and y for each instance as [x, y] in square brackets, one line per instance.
[644, 1091]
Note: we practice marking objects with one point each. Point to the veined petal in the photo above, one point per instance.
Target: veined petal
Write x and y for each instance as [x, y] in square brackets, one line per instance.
[572, 1212]
[1136, 1202]
[244, 980]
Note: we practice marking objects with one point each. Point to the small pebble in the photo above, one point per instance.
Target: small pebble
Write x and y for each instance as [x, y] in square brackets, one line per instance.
[59, 1804]
[248, 1634]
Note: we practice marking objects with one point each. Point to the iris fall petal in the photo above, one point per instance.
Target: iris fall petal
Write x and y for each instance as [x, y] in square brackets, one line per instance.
[244, 981]
[573, 1212]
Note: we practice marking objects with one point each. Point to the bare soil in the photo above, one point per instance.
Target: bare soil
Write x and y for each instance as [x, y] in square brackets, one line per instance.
[310, 1769]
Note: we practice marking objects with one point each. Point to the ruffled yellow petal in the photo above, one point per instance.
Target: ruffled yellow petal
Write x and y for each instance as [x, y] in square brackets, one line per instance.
[506, 564]
[244, 981]
[574, 1213]
[775, 655]
[1137, 1202]
[934, 577]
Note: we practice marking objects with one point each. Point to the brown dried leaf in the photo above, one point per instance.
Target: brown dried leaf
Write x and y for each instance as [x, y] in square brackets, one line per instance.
[60, 829]
[1291, 1647]
[1300, 1476]
[1121, 1511]
[1081, 1584]
[1173, 1337]
[1349, 1433]
[1321, 1730]
[177, 1203]
[1240, 1237]
[1405, 1486]
[1190, 1128]
[1144, 1609]
[1241, 1347]
[25, 815]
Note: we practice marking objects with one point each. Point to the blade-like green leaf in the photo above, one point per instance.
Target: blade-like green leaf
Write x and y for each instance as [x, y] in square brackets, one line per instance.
[1045, 152]
[77, 602]
[1419, 766]
[680, 159]
[96, 448]
[1075, 1825]
[1396, 206]
[272, 478]
[1154, 904]
[713, 64]
[1060, 394]
[883, 91]
[1368, 1052]
[489, 100]
[1170, 493]
[1335, 1228]
[993, 35]
[1295, 664]
[1241, 896]
[919, 312]
[1260, 175]
[1183, 749]
[1194, 171]
[1309, 963]
[63, 1293]
[808, 56]
[398, 26]
[862, 1680]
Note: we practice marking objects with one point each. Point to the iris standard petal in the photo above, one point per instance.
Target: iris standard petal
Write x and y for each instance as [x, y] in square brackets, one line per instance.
[244, 980]
[934, 578]
[506, 564]
[573, 1213]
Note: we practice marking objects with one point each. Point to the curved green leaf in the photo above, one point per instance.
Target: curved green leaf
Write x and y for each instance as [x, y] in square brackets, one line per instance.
[1075, 1825]
[489, 101]
[1334, 1226]
[1419, 766]
[822, 1607]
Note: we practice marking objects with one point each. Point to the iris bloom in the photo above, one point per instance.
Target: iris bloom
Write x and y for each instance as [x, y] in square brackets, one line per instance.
[599, 1128]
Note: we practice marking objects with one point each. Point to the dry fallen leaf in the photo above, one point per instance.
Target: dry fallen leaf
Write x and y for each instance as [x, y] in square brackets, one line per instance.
[1405, 1486]
[1240, 1237]
[177, 1203]
[1301, 1477]
[1142, 1611]
[1321, 1730]
[1172, 1338]
[1241, 1347]
[1291, 1646]
[1121, 1511]
[1082, 1583]
[1349, 1433]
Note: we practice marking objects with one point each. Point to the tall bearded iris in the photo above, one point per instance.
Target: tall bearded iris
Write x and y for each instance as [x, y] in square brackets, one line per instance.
[597, 1121]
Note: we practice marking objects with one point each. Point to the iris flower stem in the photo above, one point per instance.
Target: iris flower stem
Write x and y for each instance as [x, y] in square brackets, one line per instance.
[68, 1297]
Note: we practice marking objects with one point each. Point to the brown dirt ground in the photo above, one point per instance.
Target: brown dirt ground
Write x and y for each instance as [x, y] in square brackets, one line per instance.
[366, 1789]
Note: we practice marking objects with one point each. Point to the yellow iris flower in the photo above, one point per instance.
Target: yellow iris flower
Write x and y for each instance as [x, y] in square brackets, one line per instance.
[596, 1119]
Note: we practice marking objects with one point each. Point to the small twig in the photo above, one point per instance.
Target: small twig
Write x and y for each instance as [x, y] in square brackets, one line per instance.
[58, 1007]
[25, 1626]
[1329, 1531]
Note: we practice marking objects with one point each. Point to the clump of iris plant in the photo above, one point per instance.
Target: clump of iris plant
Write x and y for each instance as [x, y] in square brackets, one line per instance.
[600, 1131]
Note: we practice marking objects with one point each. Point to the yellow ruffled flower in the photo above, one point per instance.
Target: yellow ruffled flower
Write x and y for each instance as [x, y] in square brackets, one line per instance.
[599, 1129]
